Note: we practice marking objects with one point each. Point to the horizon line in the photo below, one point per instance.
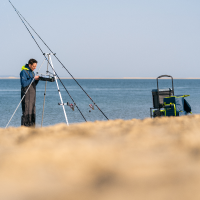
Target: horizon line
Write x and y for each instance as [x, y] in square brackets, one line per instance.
[13, 77]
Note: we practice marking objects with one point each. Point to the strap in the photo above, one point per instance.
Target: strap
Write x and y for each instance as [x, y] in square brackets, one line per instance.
[27, 73]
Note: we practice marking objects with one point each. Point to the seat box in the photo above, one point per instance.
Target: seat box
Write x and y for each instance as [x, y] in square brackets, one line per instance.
[158, 96]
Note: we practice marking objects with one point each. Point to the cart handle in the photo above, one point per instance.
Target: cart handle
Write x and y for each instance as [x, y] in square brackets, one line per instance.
[169, 77]
[165, 76]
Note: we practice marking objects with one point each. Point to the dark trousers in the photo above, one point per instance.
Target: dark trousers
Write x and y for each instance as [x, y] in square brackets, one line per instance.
[28, 106]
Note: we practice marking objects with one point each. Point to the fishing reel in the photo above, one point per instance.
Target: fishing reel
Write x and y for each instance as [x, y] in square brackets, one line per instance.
[72, 106]
[91, 106]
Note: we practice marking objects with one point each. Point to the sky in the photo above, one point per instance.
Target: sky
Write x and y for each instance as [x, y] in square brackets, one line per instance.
[104, 38]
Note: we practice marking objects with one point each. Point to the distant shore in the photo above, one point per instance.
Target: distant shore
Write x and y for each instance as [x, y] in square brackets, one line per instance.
[134, 78]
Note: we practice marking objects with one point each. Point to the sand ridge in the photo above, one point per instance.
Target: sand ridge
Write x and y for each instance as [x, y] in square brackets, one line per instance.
[137, 159]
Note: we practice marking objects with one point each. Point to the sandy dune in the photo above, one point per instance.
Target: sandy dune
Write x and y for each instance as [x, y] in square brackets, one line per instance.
[117, 160]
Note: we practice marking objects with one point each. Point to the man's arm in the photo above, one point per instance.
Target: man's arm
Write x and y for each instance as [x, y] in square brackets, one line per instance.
[36, 82]
[36, 79]
[25, 79]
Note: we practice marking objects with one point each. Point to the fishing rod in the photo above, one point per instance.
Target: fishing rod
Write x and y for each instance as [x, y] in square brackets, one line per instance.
[59, 61]
[49, 63]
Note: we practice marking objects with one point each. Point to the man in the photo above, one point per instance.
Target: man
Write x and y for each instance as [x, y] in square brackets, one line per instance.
[28, 78]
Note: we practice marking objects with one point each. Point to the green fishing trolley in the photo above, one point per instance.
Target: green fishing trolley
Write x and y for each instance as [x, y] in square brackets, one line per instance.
[165, 103]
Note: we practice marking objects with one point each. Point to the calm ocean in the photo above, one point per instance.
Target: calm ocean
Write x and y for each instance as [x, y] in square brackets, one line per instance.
[118, 99]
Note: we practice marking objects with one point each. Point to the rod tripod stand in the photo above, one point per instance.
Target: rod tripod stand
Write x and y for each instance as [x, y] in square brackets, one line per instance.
[55, 77]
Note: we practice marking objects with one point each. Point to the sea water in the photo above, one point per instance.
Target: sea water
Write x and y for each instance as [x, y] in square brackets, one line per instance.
[117, 98]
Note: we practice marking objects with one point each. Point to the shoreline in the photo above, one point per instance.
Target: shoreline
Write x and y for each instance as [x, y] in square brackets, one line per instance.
[124, 78]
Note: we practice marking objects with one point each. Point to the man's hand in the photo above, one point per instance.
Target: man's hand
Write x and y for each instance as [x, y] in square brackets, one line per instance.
[36, 78]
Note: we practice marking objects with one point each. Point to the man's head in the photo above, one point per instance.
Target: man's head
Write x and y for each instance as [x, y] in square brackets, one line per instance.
[32, 63]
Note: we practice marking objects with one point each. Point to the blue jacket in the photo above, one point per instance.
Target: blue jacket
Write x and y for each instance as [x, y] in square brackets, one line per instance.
[25, 78]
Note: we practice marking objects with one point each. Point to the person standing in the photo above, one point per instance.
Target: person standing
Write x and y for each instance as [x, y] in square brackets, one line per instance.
[28, 78]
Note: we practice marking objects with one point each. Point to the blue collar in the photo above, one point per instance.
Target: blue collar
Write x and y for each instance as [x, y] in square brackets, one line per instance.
[27, 66]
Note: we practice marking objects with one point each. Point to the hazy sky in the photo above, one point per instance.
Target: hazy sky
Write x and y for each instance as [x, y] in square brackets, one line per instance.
[105, 38]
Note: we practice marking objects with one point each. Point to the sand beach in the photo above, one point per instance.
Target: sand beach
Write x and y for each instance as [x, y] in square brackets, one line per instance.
[150, 159]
